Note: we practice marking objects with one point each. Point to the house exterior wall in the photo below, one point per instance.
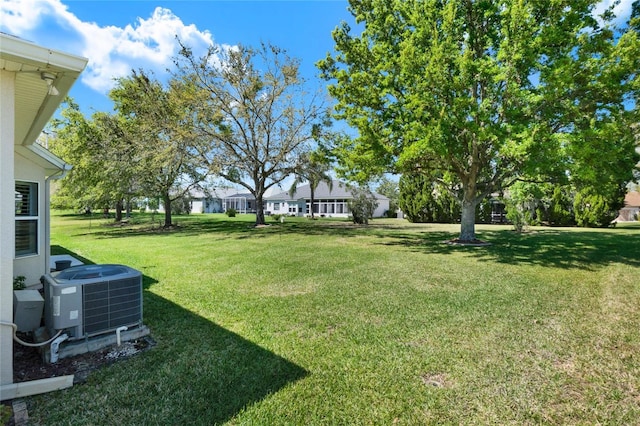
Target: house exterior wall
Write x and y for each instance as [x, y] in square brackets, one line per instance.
[381, 210]
[7, 226]
[285, 207]
[33, 266]
[631, 209]
[629, 214]
[300, 206]
[214, 206]
[25, 108]
[209, 205]
[197, 206]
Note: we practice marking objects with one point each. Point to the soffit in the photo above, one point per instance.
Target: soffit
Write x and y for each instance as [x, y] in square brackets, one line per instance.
[33, 105]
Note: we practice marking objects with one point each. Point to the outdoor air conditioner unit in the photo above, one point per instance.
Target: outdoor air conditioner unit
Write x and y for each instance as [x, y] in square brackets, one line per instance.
[92, 299]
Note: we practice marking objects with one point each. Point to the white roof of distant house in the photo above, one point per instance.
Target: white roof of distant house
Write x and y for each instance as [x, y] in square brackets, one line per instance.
[219, 193]
[339, 190]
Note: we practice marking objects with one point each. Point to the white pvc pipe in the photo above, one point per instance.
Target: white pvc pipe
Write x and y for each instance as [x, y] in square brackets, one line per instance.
[118, 330]
[55, 345]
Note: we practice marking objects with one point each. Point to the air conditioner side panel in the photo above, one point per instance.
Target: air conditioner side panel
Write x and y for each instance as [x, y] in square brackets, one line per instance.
[63, 306]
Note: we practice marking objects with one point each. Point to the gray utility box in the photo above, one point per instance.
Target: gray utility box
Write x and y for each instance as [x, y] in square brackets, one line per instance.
[92, 299]
[27, 309]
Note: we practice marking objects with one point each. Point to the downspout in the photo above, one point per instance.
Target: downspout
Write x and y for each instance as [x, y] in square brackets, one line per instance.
[47, 213]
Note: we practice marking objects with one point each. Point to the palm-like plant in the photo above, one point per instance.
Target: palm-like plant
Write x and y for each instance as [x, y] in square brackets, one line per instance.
[313, 168]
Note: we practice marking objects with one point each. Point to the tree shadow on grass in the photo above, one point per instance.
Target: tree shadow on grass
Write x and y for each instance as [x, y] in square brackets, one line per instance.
[550, 247]
[198, 373]
[553, 247]
[225, 229]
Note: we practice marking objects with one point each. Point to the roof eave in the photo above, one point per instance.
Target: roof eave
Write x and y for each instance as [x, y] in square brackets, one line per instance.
[30, 60]
[49, 162]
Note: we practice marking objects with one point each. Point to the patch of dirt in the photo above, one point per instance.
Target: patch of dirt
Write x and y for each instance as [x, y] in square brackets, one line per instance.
[437, 380]
[28, 363]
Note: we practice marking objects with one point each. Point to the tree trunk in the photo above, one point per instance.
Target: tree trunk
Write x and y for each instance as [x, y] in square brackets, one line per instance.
[312, 198]
[119, 210]
[259, 211]
[167, 211]
[468, 221]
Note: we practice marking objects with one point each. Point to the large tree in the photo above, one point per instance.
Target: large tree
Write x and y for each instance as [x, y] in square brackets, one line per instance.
[170, 153]
[79, 188]
[103, 159]
[482, 92]
[255, 111]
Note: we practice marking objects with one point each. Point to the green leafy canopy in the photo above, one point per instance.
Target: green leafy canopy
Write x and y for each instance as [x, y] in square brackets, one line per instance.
[484, 92]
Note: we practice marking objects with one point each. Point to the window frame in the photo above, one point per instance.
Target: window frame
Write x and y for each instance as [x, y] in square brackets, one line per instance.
[31, 218]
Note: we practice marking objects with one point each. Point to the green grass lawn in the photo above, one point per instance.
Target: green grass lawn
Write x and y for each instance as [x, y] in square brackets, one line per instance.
[324, 322]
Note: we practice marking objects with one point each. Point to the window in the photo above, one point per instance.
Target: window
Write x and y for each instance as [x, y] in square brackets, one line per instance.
[276, 206]
[26, 194]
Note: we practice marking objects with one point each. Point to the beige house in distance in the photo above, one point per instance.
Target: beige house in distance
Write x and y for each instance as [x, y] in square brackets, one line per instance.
[631, 210]
[33, 82]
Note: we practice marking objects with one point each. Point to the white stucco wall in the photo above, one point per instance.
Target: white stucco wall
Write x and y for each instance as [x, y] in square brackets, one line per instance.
[383, 206]
[7, 231]
[197, 206]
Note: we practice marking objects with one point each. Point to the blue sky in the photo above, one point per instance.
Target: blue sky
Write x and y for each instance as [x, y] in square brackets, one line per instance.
[117, 36]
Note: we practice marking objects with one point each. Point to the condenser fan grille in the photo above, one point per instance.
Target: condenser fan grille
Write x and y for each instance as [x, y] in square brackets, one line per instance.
[111, 304]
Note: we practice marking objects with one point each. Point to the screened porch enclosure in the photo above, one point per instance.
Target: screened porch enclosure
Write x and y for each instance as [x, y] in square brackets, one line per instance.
[239, 204]
[329, 207]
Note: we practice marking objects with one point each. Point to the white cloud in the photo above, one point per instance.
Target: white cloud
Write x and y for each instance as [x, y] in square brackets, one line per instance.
[17, 17]
[148, 43]
[622, 10]
[113, 52]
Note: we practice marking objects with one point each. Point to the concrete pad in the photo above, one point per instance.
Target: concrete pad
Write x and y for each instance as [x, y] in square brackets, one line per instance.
[97, 343]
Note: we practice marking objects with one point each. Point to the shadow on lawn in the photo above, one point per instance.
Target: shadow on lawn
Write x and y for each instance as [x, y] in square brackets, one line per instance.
[199, 372]
[237, 229]
[564, 248]
[211, 373]
[547, 247]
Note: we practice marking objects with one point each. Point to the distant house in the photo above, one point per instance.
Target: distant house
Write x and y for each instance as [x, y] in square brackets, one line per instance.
[208, 201]
[33, 82]
[329, 202]
[631, 209]
[219, 200]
